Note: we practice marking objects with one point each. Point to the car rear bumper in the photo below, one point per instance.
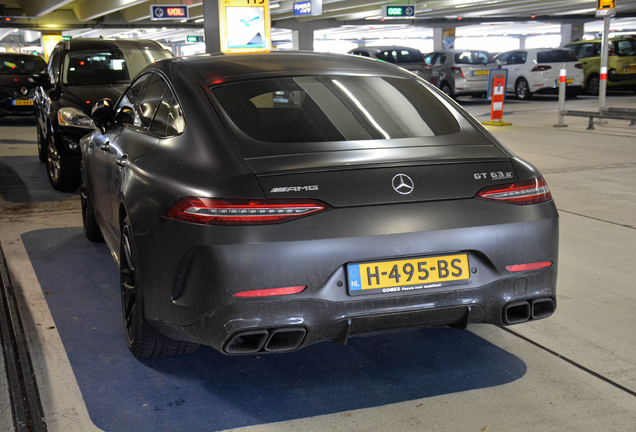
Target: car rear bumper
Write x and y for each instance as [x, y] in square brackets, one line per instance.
[190, 273]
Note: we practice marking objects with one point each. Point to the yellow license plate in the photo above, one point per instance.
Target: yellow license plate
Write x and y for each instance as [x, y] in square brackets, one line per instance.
[567, 81]
[630, 68]
[22, 102]
[408, 275]
[482, 72]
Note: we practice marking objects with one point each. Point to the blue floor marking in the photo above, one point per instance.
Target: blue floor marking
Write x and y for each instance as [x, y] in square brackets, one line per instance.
[23, 179]
[208, 391]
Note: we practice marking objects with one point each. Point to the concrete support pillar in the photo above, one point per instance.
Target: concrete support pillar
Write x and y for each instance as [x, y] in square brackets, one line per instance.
[522, 43]
[571, 31]
[438, 39]
[303, 39]
[211, 26]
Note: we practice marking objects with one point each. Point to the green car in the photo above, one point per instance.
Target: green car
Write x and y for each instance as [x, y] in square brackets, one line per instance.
[621, 62]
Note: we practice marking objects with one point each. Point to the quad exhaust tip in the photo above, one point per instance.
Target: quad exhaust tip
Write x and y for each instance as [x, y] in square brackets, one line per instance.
[272, 340]
[518, 312]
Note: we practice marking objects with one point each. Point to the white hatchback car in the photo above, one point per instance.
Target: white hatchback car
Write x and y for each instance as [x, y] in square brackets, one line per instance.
[537, 70]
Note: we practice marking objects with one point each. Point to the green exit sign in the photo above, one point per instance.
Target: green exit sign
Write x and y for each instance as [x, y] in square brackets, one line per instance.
[66, 38]
[194, 39]
[398, 11]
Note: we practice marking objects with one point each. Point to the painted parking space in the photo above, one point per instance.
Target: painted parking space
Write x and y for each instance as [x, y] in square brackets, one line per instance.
[208, 391]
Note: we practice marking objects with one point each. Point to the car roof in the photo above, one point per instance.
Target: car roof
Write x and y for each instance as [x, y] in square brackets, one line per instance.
[14, 55]
[281, 63]
[100, 43]
[626, 37]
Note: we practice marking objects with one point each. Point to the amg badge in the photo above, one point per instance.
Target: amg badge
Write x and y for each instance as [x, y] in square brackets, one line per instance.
[294, 189]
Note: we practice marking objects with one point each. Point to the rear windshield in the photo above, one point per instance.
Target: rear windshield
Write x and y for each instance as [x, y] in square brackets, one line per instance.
[556, 56]
[400, 55]
[472, 57]
[344, 108]
[101, 67]
[20, 65]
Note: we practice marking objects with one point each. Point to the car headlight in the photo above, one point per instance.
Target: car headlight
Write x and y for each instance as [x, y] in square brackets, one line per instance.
[74, 118]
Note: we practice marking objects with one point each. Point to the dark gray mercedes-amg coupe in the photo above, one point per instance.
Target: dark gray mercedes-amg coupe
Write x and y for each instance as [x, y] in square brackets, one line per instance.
[262, 203]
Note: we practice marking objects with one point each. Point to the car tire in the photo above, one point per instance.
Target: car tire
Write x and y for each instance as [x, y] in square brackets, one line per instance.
[522, 89]
[593, 84]
[143, 340]
[41, 143]
[91, 229]
[446, 88]
[59, 179]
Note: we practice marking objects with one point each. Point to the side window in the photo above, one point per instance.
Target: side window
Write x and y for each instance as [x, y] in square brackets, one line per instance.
[123, 110]
[597, 49]
[584, 50]
[168, 119]
[503, 58]
[440, 60]
[148, 102]
[520, 57]
[624, 48]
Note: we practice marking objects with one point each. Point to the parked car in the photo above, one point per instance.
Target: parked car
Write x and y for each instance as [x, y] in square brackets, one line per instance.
[461, 72]
[254, 204]
[621, 62]
[408, 58]
[537, 70]
[80, 72]
[16, 92]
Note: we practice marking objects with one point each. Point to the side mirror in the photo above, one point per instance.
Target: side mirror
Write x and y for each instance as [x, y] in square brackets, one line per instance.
[42, 79]
[125, 115]
[103, 113]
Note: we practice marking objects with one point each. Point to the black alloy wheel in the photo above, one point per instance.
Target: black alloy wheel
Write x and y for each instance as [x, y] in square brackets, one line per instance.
[91, 229]
[593, 84]
[522, 90]
[59, 179]
[41, 143]
[142, 339]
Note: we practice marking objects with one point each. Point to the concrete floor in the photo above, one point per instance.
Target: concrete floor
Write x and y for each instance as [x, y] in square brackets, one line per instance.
[580, 363]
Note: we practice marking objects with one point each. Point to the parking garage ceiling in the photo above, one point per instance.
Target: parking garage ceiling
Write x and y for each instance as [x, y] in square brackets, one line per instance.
[344, 19]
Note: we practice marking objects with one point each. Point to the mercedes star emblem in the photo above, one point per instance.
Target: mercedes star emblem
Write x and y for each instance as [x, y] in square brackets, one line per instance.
[403, 184]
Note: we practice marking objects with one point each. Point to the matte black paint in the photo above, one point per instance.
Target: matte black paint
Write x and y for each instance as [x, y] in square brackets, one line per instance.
[190, 273]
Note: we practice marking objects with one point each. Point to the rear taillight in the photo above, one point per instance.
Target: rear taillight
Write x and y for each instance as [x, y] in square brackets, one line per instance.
[458, 71]
[271, 292]
[207, 211]
[541, 68]
[528, 267]
[578, 66]
[610, 52]
[524, 192]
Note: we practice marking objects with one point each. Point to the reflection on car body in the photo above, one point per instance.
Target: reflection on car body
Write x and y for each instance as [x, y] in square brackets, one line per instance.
[262, 203]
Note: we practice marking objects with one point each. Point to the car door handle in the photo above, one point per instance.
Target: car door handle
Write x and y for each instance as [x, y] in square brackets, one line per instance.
[122, 161]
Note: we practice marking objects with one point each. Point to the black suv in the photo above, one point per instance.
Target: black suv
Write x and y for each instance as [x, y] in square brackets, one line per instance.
[79, 73]
[16, 92]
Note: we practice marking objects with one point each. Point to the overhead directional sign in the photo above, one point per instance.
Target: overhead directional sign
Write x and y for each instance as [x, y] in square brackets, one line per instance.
[398, 11]
[245, 26]
[308, 7]
[168, 12]
[605, 8]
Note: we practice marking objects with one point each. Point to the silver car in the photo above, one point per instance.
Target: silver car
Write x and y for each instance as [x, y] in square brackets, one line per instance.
[461, 72]
[408, 58]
